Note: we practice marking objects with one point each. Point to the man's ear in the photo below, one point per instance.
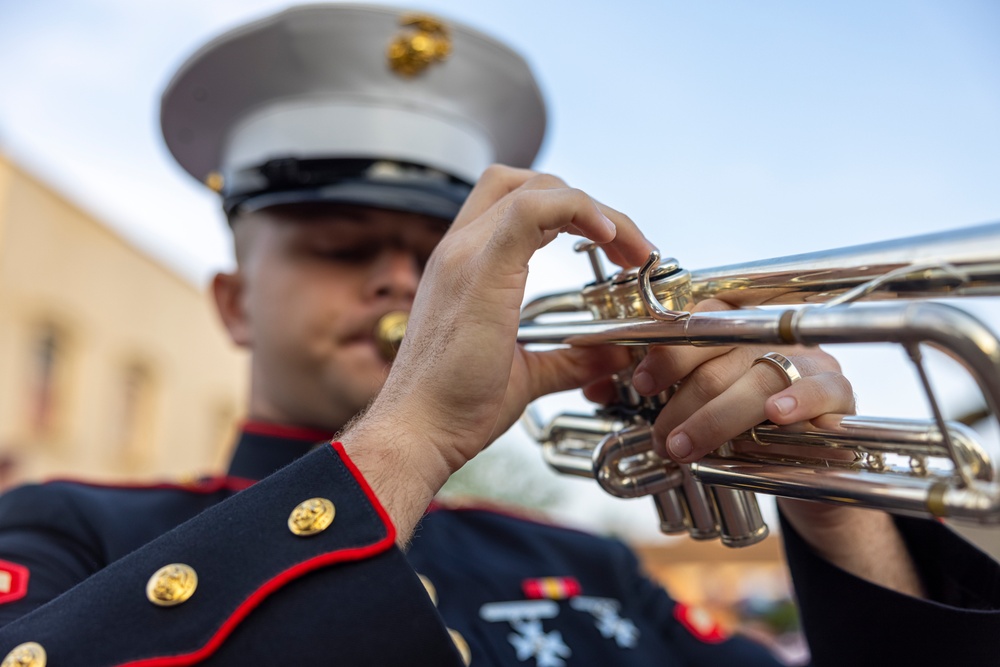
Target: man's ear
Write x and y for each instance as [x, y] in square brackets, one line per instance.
[227, 289]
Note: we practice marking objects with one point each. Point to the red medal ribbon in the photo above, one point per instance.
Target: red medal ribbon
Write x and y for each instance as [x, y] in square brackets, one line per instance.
[551, 588]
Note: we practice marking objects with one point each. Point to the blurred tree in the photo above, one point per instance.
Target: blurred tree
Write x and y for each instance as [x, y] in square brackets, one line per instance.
[506, 474]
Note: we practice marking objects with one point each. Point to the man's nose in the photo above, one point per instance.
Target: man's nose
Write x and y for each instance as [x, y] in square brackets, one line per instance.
[396, 275]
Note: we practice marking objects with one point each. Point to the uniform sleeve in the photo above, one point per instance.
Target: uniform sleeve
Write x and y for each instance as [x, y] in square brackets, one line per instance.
[45, 549]
[849, 621]
[264, 595]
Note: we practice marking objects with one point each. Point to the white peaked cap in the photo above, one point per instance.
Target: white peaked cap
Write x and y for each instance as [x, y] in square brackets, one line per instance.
[314, 83]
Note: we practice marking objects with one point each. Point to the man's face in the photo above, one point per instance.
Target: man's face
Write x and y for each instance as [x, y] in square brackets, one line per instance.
[314, 280]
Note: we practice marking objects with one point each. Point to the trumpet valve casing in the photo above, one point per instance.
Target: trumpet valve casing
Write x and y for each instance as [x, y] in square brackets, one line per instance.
[702, 512]
[618, 297]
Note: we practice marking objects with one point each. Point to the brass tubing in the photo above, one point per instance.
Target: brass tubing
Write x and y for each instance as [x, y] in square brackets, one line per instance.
[911, 467]
[819, 276]
[898, 494]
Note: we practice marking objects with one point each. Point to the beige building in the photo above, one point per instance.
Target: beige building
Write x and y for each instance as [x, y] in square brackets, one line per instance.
[111, 365]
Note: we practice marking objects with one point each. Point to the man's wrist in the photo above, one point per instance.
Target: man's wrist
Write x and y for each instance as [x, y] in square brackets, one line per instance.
[400, 462]
[864, 542]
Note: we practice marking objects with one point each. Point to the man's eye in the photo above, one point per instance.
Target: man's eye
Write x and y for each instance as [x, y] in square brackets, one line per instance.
[361, 254]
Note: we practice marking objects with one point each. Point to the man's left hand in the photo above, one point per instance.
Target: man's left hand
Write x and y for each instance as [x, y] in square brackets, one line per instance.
[722, 393]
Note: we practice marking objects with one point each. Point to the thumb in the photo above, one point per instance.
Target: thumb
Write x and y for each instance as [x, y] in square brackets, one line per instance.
[571, 368]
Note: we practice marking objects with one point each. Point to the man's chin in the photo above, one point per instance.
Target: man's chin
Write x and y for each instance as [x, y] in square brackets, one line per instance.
[365, 357]
[358, 391]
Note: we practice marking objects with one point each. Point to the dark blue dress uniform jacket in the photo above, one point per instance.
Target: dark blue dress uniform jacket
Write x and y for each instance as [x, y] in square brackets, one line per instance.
[348, 596]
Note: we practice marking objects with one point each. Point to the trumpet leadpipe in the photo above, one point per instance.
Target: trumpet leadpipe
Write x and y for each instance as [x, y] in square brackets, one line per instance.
[960, 262]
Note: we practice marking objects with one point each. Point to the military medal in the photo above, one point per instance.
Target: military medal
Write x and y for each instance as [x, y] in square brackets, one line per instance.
[529, 639]
[609, 623]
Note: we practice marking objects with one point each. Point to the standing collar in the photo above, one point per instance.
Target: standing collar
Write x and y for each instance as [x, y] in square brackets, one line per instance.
[264, 447]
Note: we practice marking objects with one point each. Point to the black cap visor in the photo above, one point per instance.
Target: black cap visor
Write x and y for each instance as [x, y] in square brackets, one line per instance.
[414, 189]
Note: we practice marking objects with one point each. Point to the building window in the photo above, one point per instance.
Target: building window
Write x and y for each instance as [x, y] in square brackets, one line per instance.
[8, 471]
[134, 422]
[48, 365]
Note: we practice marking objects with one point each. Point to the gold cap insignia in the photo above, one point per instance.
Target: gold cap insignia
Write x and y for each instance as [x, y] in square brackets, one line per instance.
[311, 516]
[215, 181]
[423, 41]
[171, 585]
[29, 654]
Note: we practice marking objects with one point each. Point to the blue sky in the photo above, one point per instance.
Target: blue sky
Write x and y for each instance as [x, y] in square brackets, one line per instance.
[728, 130]
[778, 126]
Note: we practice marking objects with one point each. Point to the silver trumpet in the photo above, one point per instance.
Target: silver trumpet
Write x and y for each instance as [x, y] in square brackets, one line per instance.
[863, 294]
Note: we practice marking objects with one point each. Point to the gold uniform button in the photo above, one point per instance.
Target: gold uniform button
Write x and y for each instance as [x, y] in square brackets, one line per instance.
[171, 585]
[461, 645]
[429, 587]
[311, 516]
[29, 654]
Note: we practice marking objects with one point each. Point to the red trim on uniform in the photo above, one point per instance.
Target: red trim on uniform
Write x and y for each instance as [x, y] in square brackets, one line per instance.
[363, 483]
[520, 513]
[435, 506]
[282, 578]
[700, 623]
[13, 581]
[285, 431]
[201, 486]
[478, 505]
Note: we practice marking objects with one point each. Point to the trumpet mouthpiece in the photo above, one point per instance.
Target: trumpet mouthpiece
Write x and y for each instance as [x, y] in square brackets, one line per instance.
[389, 332]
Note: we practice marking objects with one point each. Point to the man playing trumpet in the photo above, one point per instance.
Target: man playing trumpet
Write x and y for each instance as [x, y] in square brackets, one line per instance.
[347, 179]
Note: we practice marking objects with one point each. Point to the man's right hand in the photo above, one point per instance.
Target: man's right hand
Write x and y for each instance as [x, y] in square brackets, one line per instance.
[460, 379]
